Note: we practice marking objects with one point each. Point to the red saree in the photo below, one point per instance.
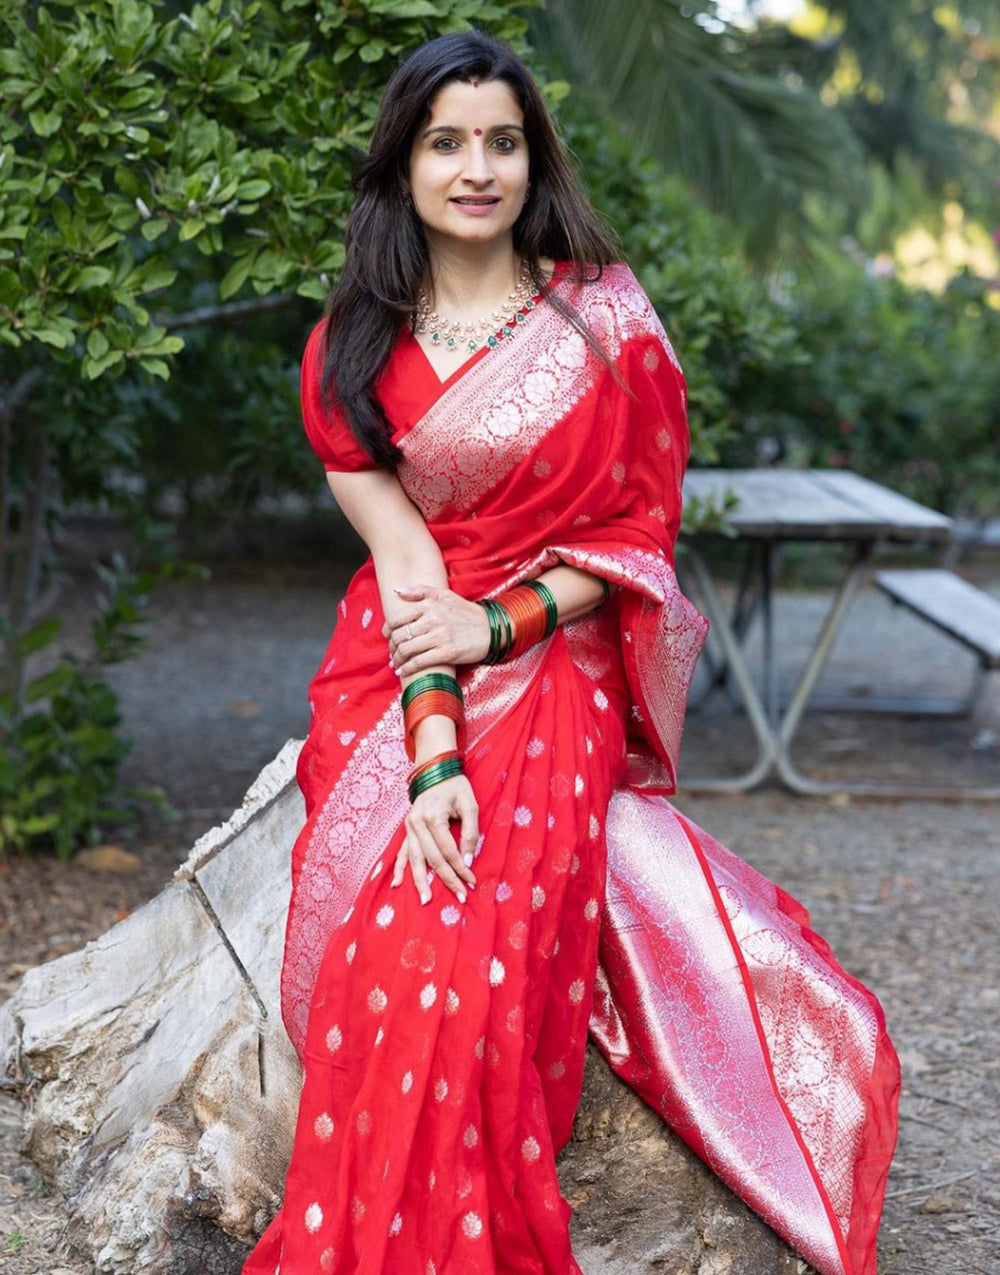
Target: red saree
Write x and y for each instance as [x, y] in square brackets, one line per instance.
[443, 1045]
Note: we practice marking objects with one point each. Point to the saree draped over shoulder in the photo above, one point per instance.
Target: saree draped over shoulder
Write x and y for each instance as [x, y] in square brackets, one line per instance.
[443, 1045]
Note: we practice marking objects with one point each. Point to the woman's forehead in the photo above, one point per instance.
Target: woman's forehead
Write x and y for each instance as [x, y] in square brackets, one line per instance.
[474, 103]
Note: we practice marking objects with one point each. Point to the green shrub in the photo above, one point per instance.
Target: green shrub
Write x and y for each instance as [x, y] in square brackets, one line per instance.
[60, 748]
[901, 384]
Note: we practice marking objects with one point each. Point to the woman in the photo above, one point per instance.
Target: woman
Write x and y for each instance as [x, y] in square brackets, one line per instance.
[495, 402]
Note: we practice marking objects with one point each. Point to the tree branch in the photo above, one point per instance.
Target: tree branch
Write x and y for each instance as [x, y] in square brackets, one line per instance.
[27, 566]
[19, 394]
[229, 310]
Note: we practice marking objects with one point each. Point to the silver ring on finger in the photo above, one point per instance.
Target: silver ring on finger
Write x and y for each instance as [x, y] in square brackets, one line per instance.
[409, 633]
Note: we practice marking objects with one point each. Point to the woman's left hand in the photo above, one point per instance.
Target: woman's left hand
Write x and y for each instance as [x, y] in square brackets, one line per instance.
[437, 627]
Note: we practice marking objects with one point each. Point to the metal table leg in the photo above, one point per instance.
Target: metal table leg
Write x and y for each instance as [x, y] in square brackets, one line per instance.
[767, 740]
[774, 730]
[790, 722]
[749, 599]
[775, 733]
[770, 657]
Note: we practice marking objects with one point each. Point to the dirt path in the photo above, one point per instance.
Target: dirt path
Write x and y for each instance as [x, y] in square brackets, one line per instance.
[906, 893]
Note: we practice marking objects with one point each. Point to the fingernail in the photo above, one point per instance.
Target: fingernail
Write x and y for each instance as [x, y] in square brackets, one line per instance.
[425, 898]
[467, 860]
[461, 896]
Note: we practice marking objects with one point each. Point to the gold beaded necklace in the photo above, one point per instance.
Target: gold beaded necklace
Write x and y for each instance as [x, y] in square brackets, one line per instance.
[455, 334]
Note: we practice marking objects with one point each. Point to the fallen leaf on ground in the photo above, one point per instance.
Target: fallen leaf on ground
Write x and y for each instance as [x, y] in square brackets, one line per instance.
[109, 859]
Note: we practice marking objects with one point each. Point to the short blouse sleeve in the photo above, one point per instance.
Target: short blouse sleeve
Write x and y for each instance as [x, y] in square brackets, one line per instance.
[328, 432]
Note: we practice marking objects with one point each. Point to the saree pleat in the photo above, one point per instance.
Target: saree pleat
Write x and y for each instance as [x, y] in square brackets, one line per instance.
[443, 1046]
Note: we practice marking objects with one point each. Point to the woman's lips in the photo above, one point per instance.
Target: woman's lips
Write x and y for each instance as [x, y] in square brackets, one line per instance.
[476, 207]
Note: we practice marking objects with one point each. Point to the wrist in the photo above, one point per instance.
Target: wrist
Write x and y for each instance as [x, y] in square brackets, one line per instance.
[434, 735]
[436, 771]
[433, 710]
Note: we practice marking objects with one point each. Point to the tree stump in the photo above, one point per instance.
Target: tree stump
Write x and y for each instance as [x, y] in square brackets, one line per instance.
[160, 1089]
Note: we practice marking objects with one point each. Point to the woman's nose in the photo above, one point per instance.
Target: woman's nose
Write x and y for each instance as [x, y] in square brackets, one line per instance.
[477, 163]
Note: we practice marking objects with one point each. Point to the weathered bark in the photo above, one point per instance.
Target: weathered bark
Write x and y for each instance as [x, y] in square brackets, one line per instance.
[161, 1090]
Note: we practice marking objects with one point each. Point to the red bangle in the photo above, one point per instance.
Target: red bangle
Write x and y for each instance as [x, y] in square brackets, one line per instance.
[432, 703]
[528, 616]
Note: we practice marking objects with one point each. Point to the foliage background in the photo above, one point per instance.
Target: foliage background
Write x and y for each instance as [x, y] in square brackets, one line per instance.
[174, 183]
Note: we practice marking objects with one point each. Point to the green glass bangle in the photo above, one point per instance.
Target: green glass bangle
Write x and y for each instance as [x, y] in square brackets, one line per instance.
[430, 682]
[508, 631]
[496, 631]
[551, 609]
[434, 775]
[491, 648]
[501, 633]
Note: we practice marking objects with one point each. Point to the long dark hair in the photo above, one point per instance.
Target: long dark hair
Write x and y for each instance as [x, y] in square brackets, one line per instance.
[386, 247]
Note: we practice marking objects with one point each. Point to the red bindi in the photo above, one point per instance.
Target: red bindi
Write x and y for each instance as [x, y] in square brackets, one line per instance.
[475, 84]
[478, 132]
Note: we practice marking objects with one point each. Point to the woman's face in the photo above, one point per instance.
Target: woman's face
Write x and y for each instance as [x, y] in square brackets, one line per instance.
[469, 164]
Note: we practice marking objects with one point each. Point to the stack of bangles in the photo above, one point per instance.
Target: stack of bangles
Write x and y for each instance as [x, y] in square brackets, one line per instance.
[433, 694]
[520, 618]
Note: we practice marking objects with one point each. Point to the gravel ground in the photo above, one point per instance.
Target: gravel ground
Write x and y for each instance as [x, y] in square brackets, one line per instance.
[905, 892]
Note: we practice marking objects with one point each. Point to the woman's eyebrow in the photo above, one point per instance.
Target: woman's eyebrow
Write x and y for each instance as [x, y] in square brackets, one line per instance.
[458, 128]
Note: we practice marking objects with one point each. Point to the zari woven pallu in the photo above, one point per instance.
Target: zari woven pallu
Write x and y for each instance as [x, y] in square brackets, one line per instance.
[443, 1045]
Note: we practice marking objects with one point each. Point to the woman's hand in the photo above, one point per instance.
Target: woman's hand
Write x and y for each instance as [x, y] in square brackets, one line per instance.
[429, 846]
[437, 627]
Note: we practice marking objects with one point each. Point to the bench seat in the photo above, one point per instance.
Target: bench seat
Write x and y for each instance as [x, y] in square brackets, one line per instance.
[952, 605]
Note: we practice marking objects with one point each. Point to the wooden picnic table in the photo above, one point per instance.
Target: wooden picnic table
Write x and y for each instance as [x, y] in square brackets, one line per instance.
[775, 507]
[816, 504]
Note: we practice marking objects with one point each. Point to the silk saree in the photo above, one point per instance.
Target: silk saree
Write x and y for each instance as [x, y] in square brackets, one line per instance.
[443, 1045]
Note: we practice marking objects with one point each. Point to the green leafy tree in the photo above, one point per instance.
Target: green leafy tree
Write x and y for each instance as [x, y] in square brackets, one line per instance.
[776, 127]
[918, 84]
[902, 384]
[707, 99]
[151, 160]
[174, 185]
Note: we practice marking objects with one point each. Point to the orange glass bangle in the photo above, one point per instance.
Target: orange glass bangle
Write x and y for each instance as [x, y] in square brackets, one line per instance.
[432, 703]
[528, 617]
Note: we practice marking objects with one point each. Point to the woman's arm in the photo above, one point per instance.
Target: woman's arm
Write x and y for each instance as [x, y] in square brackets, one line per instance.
[438, 625]
[403, 550]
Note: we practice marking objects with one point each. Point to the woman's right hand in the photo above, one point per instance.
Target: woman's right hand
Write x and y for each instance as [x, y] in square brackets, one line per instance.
[429, 845]
[436, 627]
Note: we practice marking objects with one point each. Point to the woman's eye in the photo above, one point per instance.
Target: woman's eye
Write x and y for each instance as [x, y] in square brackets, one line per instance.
[505, 144]
[444, 144]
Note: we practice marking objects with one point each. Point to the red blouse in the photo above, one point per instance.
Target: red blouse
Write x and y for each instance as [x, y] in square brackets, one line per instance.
[407, 388]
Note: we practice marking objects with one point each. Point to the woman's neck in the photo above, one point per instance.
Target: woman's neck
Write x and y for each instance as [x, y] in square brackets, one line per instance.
[467, 280]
